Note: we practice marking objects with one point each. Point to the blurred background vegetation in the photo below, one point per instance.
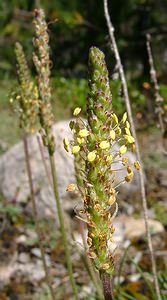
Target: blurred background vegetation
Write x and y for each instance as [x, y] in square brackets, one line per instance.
[74, 26]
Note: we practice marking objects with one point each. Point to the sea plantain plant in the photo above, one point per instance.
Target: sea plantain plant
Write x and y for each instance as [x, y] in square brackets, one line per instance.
[95, 148]
[26, 102]
[42, 63]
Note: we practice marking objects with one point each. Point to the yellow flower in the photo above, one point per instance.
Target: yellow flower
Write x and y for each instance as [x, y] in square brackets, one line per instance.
[104, 145]
[122, 150]
[127, 124]
[137, 165]
[109, 158]
[124, 118]
[112, 134]
[71, 188]
[76, 112]
[91, 156]
[115, 118]
[75, 149]
[83, 133]
[66, 144]
[127, 131]
[130, 139]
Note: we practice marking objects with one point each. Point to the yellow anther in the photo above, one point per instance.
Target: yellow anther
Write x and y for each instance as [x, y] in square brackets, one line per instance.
[75, 149]
[76, 112]
[129, 177]
[137, 165]
[127, 124]
[122, 150]
[129, 169]
[127, 131]
[104, 145]
[124, 118]
[71, 188]
[91, 156]
[83, 133]
[112, 134]
[130, 139]
[124, 160]
[118, 130]
[80, 140]
[109, 158]
[111, 200]
[115, 118]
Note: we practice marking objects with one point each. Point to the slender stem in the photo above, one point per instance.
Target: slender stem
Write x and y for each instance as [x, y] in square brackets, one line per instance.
[107, 286]
[158, 98]
[91, 270]
[35, 214]
[62, 227]
[41, 148]
[129, 111]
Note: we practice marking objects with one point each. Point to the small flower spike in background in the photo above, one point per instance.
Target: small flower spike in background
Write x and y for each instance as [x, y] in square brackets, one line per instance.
[26, 99]
[42, 63]
[95, 153]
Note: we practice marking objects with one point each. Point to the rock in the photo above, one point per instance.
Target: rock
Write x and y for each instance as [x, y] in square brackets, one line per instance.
[14, 182]
[24, 258]
[135, 228]
[32, 271]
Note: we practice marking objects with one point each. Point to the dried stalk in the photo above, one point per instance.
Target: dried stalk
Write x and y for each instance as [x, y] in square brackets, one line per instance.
[158, 98]
[36, 219]
[114, 47]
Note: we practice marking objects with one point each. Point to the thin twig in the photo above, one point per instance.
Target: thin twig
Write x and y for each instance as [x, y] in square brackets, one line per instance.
[129, 111]
[153, 75]
[35, 215]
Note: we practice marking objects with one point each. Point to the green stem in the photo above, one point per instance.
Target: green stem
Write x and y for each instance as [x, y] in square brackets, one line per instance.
[35, 214]
[89, 265]
[107, 286]
[62, 227]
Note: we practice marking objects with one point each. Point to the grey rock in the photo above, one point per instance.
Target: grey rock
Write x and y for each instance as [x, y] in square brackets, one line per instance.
[14, 182]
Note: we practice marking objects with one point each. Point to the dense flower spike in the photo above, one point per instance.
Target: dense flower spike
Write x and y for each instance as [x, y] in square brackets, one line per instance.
[42, 64]
[27, 94]
[95, 158]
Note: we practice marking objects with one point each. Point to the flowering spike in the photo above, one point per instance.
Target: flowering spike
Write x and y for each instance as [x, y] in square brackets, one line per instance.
[94, 159]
